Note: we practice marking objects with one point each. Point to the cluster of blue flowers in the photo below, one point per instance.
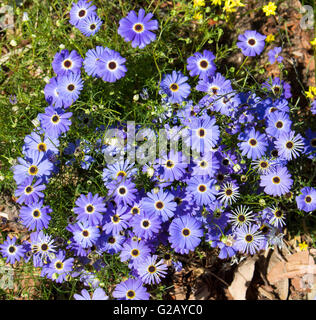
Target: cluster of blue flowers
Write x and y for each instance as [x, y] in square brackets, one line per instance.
[195, 197]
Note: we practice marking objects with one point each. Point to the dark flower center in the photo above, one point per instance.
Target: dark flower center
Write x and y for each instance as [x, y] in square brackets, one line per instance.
[273, 109]
[178, 200]
[67, 64]
[122, 191]
[220, 177]
[90, 208]
[151, 269]
[85, 233]
[278, 214]
[42, 147]
[116, 218]
[169, 164]
[276, 180]
[203, 64]
[82, 13]
[138, 27]
[241, 218]
[253, 142]
[121, 174]
[44, 247]
[201, 132]
[313, 143]
[264, 229]
[202, 188]
[229, 192]
[203, 164]
[130, 294]
[289, 144]
[12, 249]
[111, 240]
[135, 252]
[93, 26]
[249, 238]
[186, 232]
[55, 118]
[59, 265]
[308, 199]
[174, 87]
[263, 164]
[167, 256]
[276, 89]
[159, 205]
[71, 87]
[33, 170]
[252, 42]
[135, 211]
[28, 189]
[214, 90]
[225, 162]
[279, 124]
[36, 213]
[146, 224]
[112, 65]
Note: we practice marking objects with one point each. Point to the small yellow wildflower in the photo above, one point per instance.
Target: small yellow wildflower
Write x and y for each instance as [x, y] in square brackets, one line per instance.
[231, 5]
[269, 9]
[198, 16]
[313, 42]
[303, 246]
[270, 38]
[217, 2]
[198, 3]
[311, 93]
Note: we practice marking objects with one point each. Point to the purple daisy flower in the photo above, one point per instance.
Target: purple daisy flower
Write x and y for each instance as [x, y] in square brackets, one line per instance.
[226, 102]
[202, 65]
[55, 121]
[110, 243]
[131, 289]
[249, 239]
[98, 294]
[69, 87]
[307, 200]
[84, 234]
[146, 225]
[206, 165]
[120, 170]
[90, 25]
[251, 43]
[278, 123]
[10, 250]
[117, 220]
[279, 88]
[253, 145]
[90, 61]
[35, 164]
[151, 271]
[138, 28]
[110, 66]
[29, 193]
[174, 85]
[160, 203]
[172, 166]
[134, 251]
[35, 141]
[81, 10]
[204, 134]
[59, 267]
[65, 62]
[185, 234]
[35, 216]
[289, 145]
[123, 191]
[90, 208]
[274, 55]
[213, 86]
[43, 247]
[203, 189]
[276, 182]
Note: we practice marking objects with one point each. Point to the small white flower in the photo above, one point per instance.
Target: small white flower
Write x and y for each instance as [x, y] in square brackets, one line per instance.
[13, 43]
[25, 17]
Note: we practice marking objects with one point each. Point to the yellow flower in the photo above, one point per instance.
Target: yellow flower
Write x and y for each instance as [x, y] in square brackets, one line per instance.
[231, 5]
[313, 42]
[303, 246]
[199, 3]
[311, 93]
[269, 9]
[270, 38]
[216, 2]
[198, 16]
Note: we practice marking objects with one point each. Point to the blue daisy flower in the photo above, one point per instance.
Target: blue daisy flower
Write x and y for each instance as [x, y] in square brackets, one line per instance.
[11, 250]
[28, 192]
[202, 65]
[131, 289]
[174, 85]
[66, 62]
[203, 189]
[251, 43]
[90, 25]
[69, 87]
[81, 10]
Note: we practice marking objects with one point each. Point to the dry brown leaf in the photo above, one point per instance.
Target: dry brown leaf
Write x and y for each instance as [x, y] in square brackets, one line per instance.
[242, 278]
